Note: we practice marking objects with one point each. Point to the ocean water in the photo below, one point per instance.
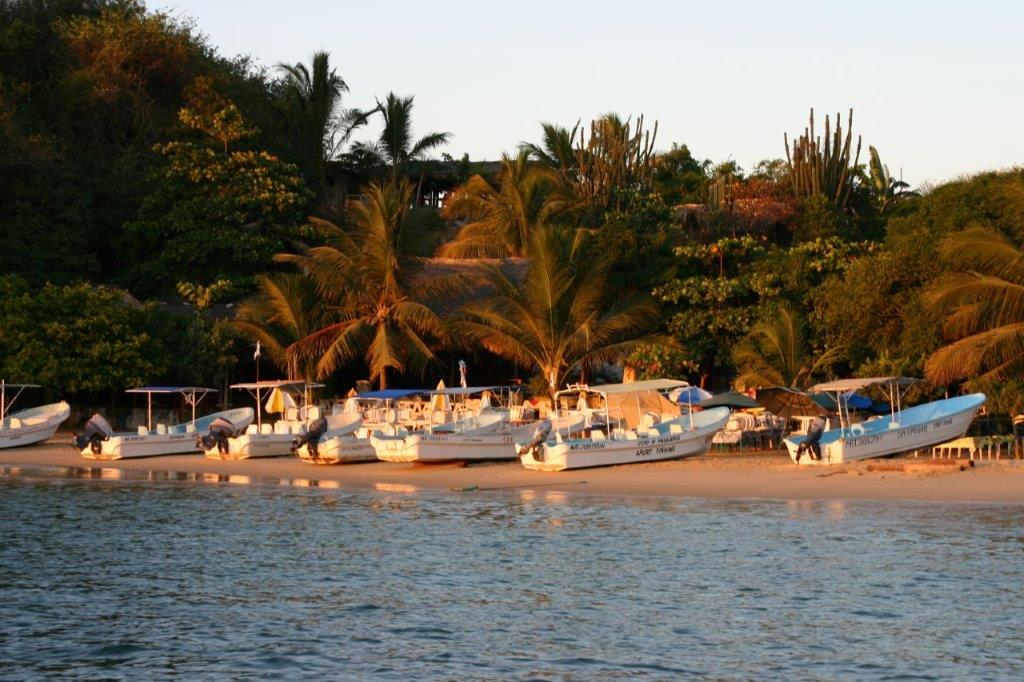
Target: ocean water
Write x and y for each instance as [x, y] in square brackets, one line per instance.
[158, 579]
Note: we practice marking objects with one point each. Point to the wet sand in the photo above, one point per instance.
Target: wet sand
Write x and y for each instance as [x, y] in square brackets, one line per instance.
[729, 475]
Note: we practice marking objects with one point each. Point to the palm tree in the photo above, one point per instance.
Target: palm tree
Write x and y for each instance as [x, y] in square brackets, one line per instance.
[560, 315]
[556, 150]
[396, 148]
[776, 353]
[500, 218]
[983, 303]
[285, 309]
[314, 96]
[374, 290]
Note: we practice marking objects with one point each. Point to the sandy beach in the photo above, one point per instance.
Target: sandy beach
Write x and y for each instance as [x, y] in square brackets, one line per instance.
[736, 475]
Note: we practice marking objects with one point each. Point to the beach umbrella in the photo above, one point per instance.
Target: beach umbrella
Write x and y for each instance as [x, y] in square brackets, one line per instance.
[729, 399]
[787, 403]
[690, 395]
[439, 402]
[279, 401]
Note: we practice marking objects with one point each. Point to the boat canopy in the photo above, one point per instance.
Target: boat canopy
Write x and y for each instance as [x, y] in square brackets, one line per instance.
[730, 399]
[634, 387]
[184, 390]
[391, 393]
[465, 390]
[848, 385]
[296, 384]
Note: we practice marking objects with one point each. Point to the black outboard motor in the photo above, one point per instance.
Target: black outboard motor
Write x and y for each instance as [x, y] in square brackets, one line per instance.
[540, 434]
[95, 431]
[220, 430]
[311, 438]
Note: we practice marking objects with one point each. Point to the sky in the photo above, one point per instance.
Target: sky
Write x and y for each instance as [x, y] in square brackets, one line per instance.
[936, 86]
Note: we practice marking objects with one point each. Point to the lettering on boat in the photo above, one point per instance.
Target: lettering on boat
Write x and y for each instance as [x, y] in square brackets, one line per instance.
[864, 440]
[643, 452]
[942, 422]
[587, 446]
[912, 431]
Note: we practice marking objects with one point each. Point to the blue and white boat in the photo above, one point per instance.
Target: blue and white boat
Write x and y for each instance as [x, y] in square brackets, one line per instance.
[903, 430]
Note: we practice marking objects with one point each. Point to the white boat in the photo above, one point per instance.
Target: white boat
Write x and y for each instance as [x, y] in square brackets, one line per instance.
[343, 440]
[481, 431]
[265, 439]
[32, 425]
[903, 430]
[99, 441]
[642, 426]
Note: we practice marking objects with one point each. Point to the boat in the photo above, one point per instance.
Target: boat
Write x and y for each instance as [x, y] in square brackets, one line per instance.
[341, 440]
[262, 438]
[31, 425]
[902, 430]
[481, 431]
[487, 432]
[99, 441]
[639, 424]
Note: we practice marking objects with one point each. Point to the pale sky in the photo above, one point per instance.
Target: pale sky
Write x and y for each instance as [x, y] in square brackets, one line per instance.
[937, 87]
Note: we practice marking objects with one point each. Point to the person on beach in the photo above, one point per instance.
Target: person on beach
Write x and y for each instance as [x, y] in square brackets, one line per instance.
[812, 443]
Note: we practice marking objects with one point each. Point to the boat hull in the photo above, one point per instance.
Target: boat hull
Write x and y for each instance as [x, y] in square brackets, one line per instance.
[581, 453]
[340, 450]
[128, 446]
[920, 427]
[253, 445]
[462, 447]
[50, 416]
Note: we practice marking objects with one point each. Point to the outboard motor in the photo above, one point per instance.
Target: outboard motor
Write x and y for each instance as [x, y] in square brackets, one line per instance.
[311, 438]
[540, 434]
[95, 431]
[220, 430]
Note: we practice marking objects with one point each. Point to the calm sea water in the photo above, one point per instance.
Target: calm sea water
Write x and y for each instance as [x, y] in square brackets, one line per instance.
[142, 580]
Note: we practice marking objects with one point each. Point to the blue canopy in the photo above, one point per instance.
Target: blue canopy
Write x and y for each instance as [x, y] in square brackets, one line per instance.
[391, 393]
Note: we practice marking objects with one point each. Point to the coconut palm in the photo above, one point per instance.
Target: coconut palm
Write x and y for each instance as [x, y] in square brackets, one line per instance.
[556, 149]
[983, 303]
[314, 97]
[776, 353]
[500, 219]
[285, 309]
[374, 290]
[560, 315]
[396, 148]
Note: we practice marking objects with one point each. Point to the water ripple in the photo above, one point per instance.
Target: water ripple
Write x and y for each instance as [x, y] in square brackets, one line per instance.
[173, 578]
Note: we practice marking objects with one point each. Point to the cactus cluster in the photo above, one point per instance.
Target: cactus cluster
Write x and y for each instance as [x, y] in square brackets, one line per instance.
[617, 154]
[823, 169]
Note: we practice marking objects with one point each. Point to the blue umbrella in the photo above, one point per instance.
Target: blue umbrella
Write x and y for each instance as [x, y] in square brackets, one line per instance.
[691, 395]
[857, 401]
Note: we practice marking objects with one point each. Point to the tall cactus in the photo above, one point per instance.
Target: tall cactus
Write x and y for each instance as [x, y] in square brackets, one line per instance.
[817, 169]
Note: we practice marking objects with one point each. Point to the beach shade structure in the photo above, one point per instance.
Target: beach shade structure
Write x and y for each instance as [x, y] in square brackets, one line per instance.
[730, 399]
[279, 401]
[690, 395]
[787, 402]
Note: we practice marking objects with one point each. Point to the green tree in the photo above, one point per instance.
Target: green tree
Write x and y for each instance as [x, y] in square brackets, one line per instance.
[285, 309]
[215, 212]
[500, 219]
[982, 301]
[777, 352]
[374, 289]
[396, 147]
[560, 315]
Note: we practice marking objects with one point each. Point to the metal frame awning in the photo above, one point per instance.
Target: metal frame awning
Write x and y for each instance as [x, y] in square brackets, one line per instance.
[192, 395]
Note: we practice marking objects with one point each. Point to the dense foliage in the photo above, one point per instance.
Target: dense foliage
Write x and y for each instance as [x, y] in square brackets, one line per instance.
[139, 164]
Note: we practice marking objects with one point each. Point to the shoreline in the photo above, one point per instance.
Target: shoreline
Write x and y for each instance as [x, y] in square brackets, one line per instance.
[756, 475]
